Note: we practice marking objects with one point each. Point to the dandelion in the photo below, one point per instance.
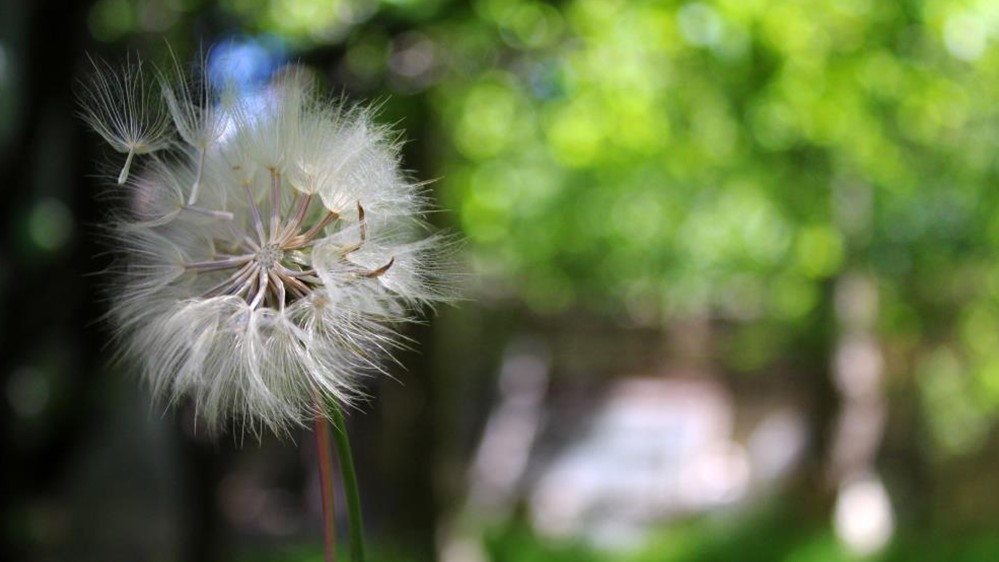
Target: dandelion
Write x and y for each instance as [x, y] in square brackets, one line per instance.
[267, 256]
[267, 259]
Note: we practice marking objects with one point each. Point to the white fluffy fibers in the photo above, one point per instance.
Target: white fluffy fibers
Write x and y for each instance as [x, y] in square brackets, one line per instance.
[266, 251]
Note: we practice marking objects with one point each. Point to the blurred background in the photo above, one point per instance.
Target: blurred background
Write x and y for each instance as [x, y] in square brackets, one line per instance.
[733, 288]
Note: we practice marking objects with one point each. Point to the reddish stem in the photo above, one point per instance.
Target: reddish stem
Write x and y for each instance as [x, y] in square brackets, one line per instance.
[325, 456]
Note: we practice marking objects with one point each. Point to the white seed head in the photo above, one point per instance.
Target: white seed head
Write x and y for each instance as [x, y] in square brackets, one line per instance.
[265, 262]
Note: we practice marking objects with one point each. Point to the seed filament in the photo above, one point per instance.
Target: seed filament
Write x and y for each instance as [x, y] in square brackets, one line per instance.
[272, 265]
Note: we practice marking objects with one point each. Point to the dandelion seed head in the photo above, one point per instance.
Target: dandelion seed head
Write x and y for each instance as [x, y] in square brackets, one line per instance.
[266, 260]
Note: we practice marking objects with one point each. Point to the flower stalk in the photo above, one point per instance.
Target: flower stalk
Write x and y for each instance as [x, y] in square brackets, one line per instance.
[265, 255]
[351, 491]
[325, 460]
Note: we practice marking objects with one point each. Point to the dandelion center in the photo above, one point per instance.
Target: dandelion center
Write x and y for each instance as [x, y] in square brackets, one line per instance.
[269, 256]
[261, 274]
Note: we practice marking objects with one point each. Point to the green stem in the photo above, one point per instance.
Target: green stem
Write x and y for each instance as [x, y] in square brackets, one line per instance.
[351, 490]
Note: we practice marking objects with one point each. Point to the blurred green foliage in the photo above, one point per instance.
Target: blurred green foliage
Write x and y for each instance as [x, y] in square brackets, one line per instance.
[768, 536]
[730, 158]
[687, 155]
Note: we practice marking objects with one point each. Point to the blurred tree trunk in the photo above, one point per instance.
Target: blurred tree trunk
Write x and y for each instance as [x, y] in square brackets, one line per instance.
[858, 362]
[858, 375]
[822, 403]
[48, 305]
[405, 421]
[401, 499]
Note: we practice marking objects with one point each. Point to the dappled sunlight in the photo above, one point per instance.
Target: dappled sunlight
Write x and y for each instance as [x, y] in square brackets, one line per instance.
[863, 518]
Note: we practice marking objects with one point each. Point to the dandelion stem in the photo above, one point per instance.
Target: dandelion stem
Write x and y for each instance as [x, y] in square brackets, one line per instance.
[325, 456]
[123, 176]
[351, 490]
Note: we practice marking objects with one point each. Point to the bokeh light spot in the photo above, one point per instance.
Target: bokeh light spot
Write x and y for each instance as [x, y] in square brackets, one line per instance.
[109, 20]
[965, 36]
[863, 517]
[700, 24]
[50, 224]
[28, 392]
[819, 251]
[488, 120]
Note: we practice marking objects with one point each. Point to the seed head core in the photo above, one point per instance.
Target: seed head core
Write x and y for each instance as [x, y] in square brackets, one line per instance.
[270, 255]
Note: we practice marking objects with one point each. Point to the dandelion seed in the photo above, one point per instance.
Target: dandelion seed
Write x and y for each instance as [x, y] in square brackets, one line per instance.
[268, 263]
[195, 113]
[122, 108]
